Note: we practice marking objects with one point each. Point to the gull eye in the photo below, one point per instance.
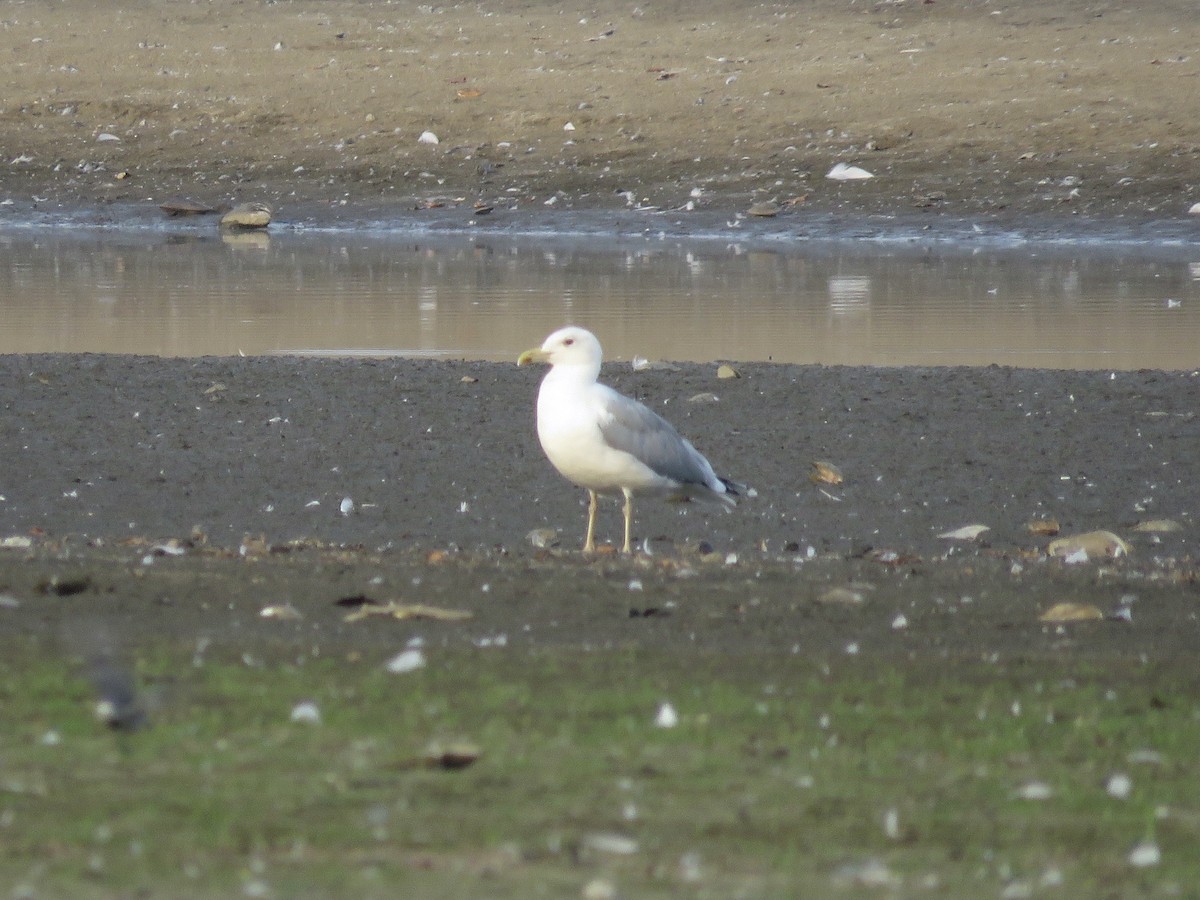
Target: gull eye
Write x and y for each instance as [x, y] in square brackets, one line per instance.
[568, 342]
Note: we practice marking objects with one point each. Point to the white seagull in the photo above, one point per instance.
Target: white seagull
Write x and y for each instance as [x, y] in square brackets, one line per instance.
[608, 443]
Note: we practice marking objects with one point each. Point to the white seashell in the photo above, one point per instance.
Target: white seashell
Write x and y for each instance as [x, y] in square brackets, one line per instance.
[667, 717]
[427, 137]
[1194, 209]
[1119, 785]
[569, 127]
[406, 661]
[107, 137]
[966, 533]
[843, 172]
[1035, 790]
[608, 842]
[347, 506]
[1145, 854]
[306, 712]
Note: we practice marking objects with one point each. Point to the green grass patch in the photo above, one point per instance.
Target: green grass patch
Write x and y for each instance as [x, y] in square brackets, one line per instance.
[781, 775]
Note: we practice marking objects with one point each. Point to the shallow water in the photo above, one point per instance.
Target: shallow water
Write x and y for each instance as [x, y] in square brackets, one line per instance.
[468, 296]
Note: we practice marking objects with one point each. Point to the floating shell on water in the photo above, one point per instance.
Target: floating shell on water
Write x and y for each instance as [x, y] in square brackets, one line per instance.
[966, 533]
[1094, 544]
[843, 172]
[1071, 612]
[1043, 526]
[247, 215]
[825, 473]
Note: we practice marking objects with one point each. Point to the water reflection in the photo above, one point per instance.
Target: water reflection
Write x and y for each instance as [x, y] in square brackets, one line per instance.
[464, 296]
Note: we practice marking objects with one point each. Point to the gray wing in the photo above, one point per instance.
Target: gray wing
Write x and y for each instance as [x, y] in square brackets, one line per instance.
[629, 426]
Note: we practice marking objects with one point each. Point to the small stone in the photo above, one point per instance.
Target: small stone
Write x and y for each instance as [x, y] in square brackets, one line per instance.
[247, 215]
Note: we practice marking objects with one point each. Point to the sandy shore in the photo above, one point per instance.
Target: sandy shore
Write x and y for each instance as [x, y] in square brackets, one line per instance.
[958, 108]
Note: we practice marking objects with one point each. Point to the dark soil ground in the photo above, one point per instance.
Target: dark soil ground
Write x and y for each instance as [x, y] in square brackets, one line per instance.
[244, 464]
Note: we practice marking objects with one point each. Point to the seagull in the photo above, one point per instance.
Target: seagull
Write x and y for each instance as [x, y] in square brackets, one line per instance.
[608, 443]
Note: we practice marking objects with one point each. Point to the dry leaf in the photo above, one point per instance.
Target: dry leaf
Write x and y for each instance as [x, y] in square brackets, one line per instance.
[966, 533]
[1071, 612]
[408, 611]
[1095, 544]
[825, 473]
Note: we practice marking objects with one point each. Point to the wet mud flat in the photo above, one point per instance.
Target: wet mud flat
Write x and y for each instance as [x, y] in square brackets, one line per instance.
[152, 485]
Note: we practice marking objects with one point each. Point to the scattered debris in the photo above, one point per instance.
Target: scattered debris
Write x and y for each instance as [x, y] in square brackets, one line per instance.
[396, 610]
[825, 473]
[1090, 545]
[1071, 612]
[843, 172]
[1048, 527]
[406, 661]
[966, 533]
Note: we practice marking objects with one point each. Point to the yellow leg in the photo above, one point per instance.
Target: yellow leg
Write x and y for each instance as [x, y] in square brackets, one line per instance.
[589, 543]
[628, 522]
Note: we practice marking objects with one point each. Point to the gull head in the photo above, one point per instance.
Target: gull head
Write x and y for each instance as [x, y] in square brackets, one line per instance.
[570, 347]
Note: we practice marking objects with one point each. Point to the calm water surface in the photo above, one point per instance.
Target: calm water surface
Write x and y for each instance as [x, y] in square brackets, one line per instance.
[488, 298]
